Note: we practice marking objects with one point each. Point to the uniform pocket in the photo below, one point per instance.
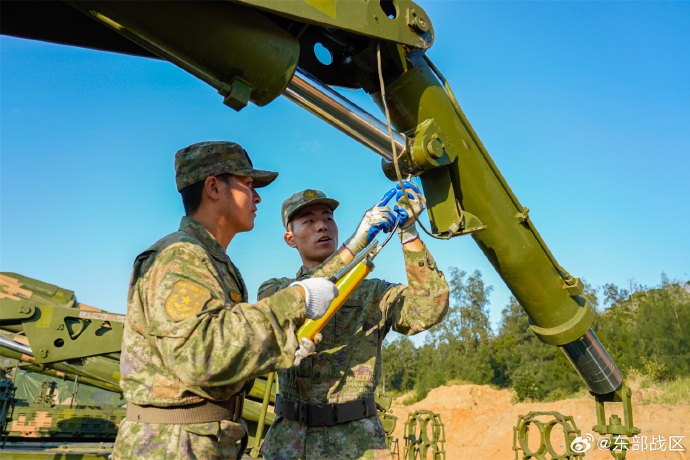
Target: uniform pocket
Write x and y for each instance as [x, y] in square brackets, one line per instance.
[212, 440]
[211, 429]
[347, 323]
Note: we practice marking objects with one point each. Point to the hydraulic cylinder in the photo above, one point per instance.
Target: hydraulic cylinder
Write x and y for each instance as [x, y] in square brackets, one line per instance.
[459, 176]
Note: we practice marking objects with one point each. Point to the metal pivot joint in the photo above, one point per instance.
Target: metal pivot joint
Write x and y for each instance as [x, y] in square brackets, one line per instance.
[425, 153]
[616, 431]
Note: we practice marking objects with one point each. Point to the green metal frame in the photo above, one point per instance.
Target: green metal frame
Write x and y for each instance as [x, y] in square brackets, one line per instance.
[400, 21]
[425, 436]
[544, 422]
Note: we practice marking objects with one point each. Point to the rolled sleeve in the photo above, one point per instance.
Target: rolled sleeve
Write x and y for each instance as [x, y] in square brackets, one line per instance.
[421, 304]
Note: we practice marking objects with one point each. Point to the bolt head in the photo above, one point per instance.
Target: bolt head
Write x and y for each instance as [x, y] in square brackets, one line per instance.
[434, 147]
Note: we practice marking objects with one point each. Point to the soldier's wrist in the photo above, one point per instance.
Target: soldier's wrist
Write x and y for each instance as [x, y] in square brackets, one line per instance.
[301, 290]
[409, 234]
[355, 244]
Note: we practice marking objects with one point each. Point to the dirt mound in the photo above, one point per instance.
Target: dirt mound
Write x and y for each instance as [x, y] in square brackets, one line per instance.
[479, 423]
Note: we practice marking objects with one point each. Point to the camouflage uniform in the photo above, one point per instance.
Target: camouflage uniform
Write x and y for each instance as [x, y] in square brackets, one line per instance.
[347, 363]
[190, 337]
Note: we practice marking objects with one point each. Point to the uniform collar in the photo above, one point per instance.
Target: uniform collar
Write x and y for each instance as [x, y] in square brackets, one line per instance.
[194, 228]
[305, 272]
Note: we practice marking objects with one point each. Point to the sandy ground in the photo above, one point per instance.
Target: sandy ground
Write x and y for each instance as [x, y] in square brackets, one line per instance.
[479, 424]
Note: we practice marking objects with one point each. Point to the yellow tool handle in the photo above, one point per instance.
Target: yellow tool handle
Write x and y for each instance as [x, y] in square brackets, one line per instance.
[346, 286]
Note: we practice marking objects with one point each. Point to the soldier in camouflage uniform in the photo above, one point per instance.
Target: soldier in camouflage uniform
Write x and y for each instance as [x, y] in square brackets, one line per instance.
[326, 406]
[192, 344]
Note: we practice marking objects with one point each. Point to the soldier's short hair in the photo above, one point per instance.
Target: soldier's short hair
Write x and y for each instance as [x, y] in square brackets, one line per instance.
[191, 195]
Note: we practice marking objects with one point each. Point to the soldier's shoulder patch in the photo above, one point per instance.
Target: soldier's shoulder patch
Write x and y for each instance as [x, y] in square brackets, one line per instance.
[186, 299]
[235, 296]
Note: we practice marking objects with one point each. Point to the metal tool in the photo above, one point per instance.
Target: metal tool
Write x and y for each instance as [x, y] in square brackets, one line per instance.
[346, 280]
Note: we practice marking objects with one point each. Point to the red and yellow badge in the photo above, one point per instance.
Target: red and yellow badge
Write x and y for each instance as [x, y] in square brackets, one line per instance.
[186, 299]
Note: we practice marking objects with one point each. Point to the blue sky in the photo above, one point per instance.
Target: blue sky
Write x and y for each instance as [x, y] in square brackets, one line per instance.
[584, 106]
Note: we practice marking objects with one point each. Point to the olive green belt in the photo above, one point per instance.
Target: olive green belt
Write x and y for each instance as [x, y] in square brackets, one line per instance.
[328, 414]
[203, 412]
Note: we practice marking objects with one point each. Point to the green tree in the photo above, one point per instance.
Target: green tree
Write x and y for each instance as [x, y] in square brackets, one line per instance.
[661, 330]
[433, 368]
[647, 329]
[462, 340]
[399, 364]
[534, 370]
[641, 328]
[613, 295]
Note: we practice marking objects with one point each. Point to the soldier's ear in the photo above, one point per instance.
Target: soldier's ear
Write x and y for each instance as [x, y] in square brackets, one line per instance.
[289, 239]
[211, 188]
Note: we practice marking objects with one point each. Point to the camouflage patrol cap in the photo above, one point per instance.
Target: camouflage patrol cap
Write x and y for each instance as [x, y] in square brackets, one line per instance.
[198, 161]
[305, 198]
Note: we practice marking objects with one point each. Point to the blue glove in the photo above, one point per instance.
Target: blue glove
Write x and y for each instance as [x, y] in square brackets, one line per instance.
[384, 218]
[387, 197]
[408, 200]
[408, 185]
[377, 219]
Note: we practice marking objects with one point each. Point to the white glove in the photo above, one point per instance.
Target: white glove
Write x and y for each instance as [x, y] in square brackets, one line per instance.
[318, 295]
[408, 234]
[306, 347]
[376, 219]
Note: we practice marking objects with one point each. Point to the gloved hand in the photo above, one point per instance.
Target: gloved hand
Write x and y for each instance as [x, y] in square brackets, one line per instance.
[306, 347]
[318, 295]
[410, 199]
[378, 218]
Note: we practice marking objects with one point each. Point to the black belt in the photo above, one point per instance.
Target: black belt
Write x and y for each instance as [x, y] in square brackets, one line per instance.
[202, 412]
[325, 414]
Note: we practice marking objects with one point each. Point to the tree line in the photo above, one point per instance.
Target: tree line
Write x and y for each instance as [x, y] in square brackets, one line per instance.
[644, 329]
